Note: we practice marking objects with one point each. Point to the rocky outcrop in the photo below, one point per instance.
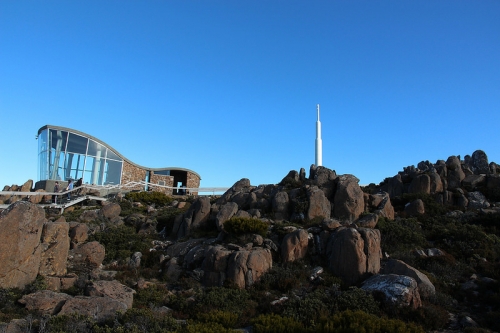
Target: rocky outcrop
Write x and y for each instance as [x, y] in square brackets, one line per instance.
[425, 287]
[348, 202]
[20, 251]
[55, 247]
[112, 289]
[294, 245]
[99, 308]
[354, 254]
[319, 205]
[45, 302]
[398, 290]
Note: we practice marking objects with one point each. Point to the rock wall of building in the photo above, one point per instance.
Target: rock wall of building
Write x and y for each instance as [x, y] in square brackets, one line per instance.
[131, 173]
[193, 181]
[167, 181]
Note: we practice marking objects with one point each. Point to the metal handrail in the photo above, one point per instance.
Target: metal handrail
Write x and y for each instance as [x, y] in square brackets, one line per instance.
[119, 186]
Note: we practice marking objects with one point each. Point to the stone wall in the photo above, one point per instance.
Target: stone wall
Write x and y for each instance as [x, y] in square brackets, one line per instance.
[156, 179]
[131, 173]
[193, 181]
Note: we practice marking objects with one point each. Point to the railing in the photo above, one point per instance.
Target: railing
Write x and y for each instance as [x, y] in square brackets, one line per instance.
[109, 188]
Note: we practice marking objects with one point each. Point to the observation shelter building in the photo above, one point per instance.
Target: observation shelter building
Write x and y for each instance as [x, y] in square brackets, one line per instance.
[65, 153]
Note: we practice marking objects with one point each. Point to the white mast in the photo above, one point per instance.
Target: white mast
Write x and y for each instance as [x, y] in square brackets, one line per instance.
[319, 144]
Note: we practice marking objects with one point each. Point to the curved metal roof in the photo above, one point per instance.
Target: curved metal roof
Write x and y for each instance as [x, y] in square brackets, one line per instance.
[60, 128]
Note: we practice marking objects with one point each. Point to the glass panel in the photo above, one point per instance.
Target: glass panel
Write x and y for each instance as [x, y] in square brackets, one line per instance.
[43, 156]
[112, 155]
[163, 172]
[58, 139]
[75, 165]
[77, 144]
[95, 149]
[113, 172]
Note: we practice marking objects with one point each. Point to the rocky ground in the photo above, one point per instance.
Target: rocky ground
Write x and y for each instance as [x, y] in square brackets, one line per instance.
[418, 252]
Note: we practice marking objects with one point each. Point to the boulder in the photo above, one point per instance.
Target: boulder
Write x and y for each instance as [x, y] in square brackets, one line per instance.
[36, 199]
[319, 205]
[324, 178]
[100, 308]
[243, 185]
[415, 208]
[244, 268]
[480, 163]
[225, 213]
[89, 256]
[110, 211]
[280, 206]
[348, 202]
[436, 183]
[45, 302]
[294, 245]
[472, 182]
[425, 287]
[371, 249]
[367, 221]
[55, 244]
[380, 203]
[455, 172]
[395, 186]
[477, 200]
[215, 266]
[79, 234]
[420, 184]
[398, 290]
[112, 289]
[89, 215]
[20, 251]
[346, 256]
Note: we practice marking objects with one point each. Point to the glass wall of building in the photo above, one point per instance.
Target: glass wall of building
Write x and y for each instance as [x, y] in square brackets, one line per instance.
[63, 155]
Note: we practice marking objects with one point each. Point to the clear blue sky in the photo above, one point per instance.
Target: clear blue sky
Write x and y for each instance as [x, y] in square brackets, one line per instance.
[229, 88]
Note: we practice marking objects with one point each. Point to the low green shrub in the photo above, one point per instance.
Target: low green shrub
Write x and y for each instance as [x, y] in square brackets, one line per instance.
[210, 327]
[273, 323]
[152, 197]
[358, 321]
[153, 296]
[121, 242]
[356, 299]
[244, 225]
[400, 235]
[227, 319]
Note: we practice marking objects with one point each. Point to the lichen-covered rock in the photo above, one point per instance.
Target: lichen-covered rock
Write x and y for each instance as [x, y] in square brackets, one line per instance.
[21, 226]
[280, 206]
[112, 289]
[55, 243]
[398, 290]
[45, 302]
[99, 308]
[425, 287]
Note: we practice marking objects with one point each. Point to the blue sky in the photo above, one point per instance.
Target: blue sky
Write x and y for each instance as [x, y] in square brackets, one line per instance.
[229, 88]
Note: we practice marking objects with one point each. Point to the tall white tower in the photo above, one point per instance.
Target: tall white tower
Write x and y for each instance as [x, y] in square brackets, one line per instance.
[319, 143]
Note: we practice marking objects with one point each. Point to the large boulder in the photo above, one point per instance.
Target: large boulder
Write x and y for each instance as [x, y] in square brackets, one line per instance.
[88, 257]
[371, 249]
[45, 302]
[348, 202]
[398, 290]
[21, 226]
[455, 172]
[480, 163]
[112, 289]
[425, 287]
[353, 254]
[225, 213]
[324, 178]
[55, 245]
[246, 267]
[195, 217]
[280, 204]
[420, 184]
[243, 185]
[415, 208]
[319, 205]
[215, 266]
[294, 245]
[110, 211]
[395, 186]
[99, 308]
